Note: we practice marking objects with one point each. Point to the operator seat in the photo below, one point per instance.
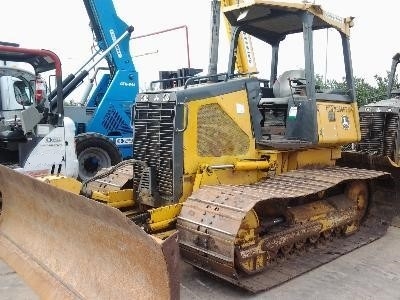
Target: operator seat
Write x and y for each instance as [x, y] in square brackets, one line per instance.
[274, 110]
[282, 90]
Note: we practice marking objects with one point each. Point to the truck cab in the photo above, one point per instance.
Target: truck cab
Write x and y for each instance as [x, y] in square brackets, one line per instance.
[33, 137]
[16, 94]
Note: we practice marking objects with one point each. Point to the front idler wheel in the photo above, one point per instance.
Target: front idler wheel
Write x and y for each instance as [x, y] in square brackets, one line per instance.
[357, 192]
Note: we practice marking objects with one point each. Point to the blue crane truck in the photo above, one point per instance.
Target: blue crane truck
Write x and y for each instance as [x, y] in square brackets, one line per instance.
[104, 129]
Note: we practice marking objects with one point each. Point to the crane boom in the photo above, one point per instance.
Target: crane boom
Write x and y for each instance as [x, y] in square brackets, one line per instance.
[106, 111]
[107, 27]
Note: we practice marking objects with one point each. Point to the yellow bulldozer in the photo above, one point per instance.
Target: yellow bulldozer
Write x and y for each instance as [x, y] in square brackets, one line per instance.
[234, 176]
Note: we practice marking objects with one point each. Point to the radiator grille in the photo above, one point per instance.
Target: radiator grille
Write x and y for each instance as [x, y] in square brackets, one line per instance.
[378, 133]
[154, 138]
[218, 134]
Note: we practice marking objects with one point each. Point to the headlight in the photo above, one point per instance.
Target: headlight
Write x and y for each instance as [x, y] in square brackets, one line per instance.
[144, 98]
[166, 97]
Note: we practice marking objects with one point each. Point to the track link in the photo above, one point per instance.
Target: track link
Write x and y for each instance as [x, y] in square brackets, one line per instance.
[212, 218]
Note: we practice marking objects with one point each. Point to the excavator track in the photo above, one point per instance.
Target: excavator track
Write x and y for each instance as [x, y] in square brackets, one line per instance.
[217, 235]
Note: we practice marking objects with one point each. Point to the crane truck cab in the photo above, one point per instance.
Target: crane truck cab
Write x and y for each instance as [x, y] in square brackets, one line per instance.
[16, 93]
[16, 88]
[33, 138]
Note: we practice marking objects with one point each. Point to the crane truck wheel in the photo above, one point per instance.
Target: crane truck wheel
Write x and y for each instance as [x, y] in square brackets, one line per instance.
[95, 152]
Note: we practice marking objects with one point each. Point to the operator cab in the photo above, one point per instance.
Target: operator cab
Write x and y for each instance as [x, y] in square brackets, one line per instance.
[296, 113]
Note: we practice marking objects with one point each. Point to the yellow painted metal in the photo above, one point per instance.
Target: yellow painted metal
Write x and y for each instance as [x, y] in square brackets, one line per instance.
[311, 158]
[66, 246]
[206, 176]
[283, 161]
[319, 212]
[338, 123]
[188, 186]
[162, 225]
[341, 24]
[247, 237]
[279, 159]
[165, 212]
[235, 105]
[122, 204]
[65, 183]
[199, 177]
[357, 191]
[163, 217]
[115, 196]
[245, 59]
[246, 234]
[248, 165]
[314, 211]
[336, 153]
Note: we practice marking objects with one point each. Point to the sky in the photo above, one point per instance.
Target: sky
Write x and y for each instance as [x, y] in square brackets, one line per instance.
[63, 27]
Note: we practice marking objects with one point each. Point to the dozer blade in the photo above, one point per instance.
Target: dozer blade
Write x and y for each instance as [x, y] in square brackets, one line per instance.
[66, 246]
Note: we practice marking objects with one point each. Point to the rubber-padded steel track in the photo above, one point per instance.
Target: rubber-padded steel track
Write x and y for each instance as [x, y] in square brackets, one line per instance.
[211, 217]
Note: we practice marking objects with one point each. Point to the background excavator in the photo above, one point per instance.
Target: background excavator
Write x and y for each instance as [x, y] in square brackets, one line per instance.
[243, 170]
[379, 147]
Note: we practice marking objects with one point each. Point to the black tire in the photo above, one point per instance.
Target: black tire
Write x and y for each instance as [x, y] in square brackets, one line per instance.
[95, 152]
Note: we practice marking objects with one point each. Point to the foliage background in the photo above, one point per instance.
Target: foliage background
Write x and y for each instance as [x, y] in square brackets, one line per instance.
[365, 92]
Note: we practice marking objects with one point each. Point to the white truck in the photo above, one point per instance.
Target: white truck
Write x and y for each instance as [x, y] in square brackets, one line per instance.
[33, 138]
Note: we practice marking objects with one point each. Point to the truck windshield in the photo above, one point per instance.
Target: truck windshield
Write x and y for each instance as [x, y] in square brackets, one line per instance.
[22, 92]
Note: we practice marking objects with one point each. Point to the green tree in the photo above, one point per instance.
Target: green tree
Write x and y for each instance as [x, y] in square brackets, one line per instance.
[365, 92]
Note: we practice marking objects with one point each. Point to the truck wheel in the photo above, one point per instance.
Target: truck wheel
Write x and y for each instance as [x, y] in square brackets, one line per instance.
[95, 152]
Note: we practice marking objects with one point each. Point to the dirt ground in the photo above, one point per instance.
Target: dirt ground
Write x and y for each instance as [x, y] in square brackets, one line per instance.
[371, 272]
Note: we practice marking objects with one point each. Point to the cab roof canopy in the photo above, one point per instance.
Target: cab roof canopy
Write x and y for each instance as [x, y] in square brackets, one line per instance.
[41, 60]
[271, 21]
